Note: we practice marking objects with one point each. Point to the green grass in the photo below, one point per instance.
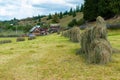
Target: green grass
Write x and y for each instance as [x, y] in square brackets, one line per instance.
[53, 57]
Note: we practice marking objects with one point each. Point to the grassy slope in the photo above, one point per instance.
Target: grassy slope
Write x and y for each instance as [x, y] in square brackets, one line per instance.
[53, 58]
[63, 22]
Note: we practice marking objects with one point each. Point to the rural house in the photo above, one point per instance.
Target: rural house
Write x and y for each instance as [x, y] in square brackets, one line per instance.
[37, 30]
[54, 28]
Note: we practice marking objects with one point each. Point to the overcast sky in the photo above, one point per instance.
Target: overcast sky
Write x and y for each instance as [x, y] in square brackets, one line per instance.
[19, 9]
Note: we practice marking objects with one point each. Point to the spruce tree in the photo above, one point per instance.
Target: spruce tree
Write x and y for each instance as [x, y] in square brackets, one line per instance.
[74, 13]
[104, 8]
[71, 11]
[90, 10]
[49, 17]
[77, 8]
[55, 18]
[81, 8]
[61, 15]
[115, 6]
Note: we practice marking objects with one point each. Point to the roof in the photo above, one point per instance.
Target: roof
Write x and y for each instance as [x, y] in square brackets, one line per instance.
[37, 26]
[54, 24]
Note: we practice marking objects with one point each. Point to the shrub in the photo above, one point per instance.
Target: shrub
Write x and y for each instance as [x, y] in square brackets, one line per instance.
[20, 39]
[80, 22]
[72, 23]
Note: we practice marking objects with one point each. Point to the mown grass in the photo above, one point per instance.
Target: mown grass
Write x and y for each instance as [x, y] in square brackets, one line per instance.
[53, 57]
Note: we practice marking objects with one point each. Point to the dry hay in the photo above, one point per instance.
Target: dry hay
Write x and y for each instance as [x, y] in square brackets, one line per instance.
[114, 50]
[5, 41]
[66, 33]
[94, 43]
[73, 34]
[19, 39]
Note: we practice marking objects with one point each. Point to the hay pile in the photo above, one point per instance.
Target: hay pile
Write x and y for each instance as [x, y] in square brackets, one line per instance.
[73, 34]
[94, 43]
[66, 33]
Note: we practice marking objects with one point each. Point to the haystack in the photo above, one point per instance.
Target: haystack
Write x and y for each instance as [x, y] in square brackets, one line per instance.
[94, 43]
[66, 33]
[73, 34]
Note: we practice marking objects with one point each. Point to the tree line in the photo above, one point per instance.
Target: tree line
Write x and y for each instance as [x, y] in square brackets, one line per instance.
[104, 8]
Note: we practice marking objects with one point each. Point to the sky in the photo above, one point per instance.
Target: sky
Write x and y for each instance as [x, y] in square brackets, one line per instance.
[20, 9]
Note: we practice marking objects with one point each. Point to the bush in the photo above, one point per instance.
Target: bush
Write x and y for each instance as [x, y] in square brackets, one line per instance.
[20, 39]
[72, 23]
[5, 41]
[80, 22]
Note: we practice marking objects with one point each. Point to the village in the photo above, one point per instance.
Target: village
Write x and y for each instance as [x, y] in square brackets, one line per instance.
[38, 30]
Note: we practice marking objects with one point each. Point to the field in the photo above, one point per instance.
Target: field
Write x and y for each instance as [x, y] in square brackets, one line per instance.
[54, 57]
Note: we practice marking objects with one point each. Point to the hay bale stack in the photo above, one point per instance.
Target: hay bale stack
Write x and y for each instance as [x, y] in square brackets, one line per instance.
[75, 34]
[94, 43]
[100, 51]
[19, 39]
[5, 41]
[66, 33]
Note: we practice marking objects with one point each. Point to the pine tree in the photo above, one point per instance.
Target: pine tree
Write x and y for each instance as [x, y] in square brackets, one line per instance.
[55, 18]
[77, 8]
[81, 8]
[90, 10]
[49, 17]
[104, 8]
[65, 13]
[71, 11]
[74, 13]
[115, 6]
[61, 15]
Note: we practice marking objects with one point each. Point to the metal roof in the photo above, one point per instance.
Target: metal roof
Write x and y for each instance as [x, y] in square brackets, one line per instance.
[37, 26]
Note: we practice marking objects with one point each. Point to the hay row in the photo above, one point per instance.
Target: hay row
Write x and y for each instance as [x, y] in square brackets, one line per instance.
[73, 34]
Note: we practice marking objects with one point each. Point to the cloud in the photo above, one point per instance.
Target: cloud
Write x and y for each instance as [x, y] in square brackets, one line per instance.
[27, 8]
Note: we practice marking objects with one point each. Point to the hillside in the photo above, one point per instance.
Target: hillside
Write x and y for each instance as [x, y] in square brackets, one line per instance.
[54, 57]
[63, 22]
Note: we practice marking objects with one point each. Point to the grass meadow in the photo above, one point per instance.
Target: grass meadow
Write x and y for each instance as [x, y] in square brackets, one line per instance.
[54, 57]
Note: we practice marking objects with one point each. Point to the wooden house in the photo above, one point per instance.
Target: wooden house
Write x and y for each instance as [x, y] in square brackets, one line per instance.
[37, 30]
[54, 28]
